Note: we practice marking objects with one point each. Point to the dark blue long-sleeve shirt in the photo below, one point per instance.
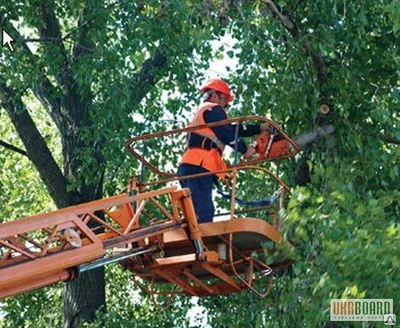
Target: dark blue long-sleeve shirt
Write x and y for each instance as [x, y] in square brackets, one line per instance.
[226, 133]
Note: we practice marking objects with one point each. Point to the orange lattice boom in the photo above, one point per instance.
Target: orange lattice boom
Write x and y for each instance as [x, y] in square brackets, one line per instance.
[153, 233]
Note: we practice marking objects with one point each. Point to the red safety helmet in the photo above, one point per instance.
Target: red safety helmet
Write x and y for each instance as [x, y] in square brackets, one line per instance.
[218, 85]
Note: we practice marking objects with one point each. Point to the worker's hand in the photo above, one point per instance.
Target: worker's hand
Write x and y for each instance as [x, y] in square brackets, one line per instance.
[250, 152]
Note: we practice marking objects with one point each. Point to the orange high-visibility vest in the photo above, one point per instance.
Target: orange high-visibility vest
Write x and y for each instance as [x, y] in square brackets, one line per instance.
[210, 159]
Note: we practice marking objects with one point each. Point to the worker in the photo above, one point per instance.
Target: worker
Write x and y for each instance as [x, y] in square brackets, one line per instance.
[206, 145]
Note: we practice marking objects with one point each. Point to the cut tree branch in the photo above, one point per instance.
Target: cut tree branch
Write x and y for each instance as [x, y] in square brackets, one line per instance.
[314, 135]
[13, 148]
[36, 147]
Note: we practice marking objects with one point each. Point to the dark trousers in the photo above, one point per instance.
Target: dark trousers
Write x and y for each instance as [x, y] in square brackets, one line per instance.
[201, 191]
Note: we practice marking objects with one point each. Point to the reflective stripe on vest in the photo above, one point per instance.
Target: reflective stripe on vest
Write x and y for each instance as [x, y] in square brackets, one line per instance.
[210, 159]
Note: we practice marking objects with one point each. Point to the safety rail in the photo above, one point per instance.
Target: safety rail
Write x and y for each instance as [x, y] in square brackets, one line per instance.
[232, 169]
[283, 189]
[294, 148]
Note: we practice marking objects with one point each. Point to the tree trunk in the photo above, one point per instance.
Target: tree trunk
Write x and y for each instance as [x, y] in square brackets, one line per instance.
[83, 297]
[86, 294]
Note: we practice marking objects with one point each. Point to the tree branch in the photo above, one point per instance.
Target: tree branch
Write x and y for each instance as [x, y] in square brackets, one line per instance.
[319, 63]
[390, 139]
[314, 135]
[36, 147]
[50, 29]
[286, 21]
[84, 43]
[13, 148]
[44, 90]
[152, 71]
[75, 101]
[40, 40]
[147, 77]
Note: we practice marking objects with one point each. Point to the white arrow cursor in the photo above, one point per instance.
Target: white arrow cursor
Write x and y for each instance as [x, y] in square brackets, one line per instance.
[7, 39]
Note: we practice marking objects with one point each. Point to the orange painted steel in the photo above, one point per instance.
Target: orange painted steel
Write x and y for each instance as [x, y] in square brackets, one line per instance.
[32, 284]
[153, 233]
[214, 274]
[34, 251]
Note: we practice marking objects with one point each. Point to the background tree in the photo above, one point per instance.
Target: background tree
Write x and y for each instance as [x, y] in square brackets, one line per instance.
[90, 65]
[344, 223]
[96, 64]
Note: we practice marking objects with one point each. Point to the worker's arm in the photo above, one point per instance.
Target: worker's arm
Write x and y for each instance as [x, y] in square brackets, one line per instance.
[226, 133]
[248, 130]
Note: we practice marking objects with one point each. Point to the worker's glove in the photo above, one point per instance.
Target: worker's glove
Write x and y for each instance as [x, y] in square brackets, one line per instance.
[266, 127]
[250, 152]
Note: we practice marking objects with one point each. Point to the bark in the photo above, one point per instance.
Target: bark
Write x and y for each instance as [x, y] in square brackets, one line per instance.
[44, 90]
[314, 135]
[83, 297]
[36, 147]
[302, 173]
[75, 100]
[390, 139]
[13, 148]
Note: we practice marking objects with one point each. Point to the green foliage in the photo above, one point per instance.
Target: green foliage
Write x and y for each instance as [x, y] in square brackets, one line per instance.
[22, 193]
[41, 308]
[128, 306]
